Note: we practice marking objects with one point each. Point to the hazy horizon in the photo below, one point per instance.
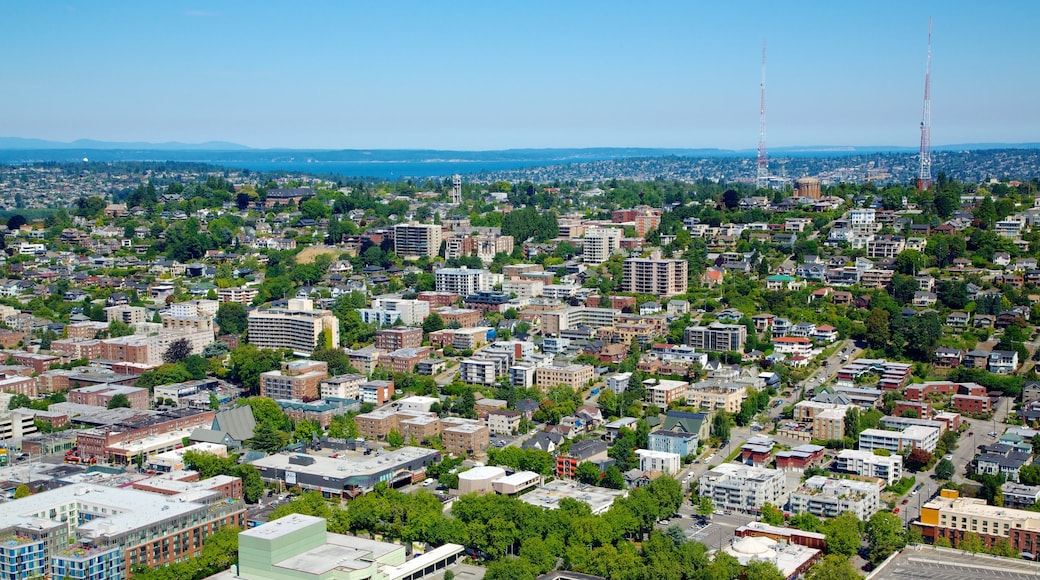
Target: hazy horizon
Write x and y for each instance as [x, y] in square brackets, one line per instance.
[472, 76]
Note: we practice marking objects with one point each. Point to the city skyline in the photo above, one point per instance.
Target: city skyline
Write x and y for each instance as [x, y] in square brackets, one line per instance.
[469, 76]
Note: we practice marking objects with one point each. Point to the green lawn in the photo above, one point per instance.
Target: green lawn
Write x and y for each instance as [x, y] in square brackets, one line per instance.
[902, 486]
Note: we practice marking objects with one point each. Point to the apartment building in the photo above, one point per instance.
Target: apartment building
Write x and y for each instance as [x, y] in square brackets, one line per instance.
[376, 392]
[412, 241]
[503, 421]
[743, 487]
[827, 497]
[912, 437]
[477, 371]
[342, 387]
[951, 517]
[464, 436]
[84, 528]
[127, 314]
[574, 376]
[664, 461]
[464, 281]
[101, 395]
[298, 379]
[662, 392]
[411, 312]
[399, 337]
[885, 247]
[716, 337]
[657, 277]
[600, 243]
[717, 397]
[404, 360]
[298, 327]
[239, 294]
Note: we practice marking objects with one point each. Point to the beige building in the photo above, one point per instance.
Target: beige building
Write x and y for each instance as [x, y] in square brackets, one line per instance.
[717, 397]
[503, 421]
[663, 392]
[412, 241]
[298, 379]
[600, 243]
[657, 277]
[574, 376]
[829, 425]
[464, 436]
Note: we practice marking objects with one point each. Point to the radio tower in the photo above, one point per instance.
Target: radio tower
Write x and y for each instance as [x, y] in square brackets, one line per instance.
[762, 177]
[924, 172]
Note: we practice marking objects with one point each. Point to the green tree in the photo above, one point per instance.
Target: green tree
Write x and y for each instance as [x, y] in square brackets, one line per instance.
[268, 438]
[394, 439]
[232, 318]
[877, 328]
[119, 401]
[833, 567]
[971, 542]
[945, 469]
[20, 401]
[885, 535]
[762, 570]
[433, 323]
[772, 515]
[704, 505]
[118, 328]
[843, 534]
[22, 491]
[805, 521]
[613, 478]
[588, 473]
[215, 349]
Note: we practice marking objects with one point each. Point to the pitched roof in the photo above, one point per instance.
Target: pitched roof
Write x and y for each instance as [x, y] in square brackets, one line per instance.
[238, 422]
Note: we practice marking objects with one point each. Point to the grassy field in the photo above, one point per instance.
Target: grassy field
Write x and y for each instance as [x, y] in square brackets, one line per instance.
[308, 254]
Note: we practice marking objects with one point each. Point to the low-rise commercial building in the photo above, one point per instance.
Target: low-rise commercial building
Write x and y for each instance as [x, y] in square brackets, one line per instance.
[348, 475]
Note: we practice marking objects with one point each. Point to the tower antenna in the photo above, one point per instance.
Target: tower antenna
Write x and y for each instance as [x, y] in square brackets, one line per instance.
[924, 172]
[762, 176]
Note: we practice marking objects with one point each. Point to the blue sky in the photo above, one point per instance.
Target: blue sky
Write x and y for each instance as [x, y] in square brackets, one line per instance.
[489, 75]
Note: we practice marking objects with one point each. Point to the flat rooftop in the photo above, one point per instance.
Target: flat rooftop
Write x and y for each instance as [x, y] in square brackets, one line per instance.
[549, 495]
[931, 563]
[347, 464]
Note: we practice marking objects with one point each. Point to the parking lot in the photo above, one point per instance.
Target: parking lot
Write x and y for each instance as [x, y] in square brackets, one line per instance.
[929, 563]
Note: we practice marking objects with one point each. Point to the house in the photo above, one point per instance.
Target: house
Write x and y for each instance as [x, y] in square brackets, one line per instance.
[1003, 362]
[825, 333]
[925, 299]
[948, 358]
[958, 319]
[975, 359]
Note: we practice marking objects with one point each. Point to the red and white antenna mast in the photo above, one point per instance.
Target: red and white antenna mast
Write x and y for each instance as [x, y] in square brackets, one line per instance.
[924, 172]
[762, 176]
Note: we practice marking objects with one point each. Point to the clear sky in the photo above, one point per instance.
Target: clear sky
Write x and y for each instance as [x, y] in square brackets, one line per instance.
[491, 74]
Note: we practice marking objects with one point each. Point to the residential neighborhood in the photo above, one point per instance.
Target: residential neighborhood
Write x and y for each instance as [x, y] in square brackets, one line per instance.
[707, 361]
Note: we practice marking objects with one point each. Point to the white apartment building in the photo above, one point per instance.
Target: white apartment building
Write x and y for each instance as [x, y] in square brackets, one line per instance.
[600, 243]
[743, 487]
[411, 312]
[477, 371]
[865, 463]
[663, 461]
[827, 497]
[619, 382]
[913, 437]
[298, 327]
[465, 281]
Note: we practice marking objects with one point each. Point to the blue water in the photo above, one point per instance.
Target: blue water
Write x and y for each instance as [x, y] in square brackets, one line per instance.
[389, 170]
